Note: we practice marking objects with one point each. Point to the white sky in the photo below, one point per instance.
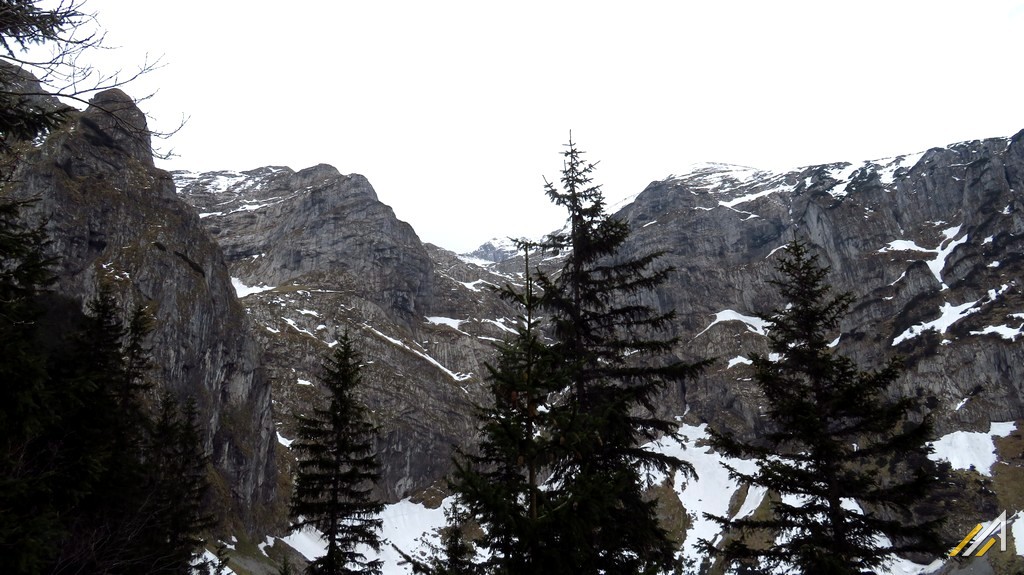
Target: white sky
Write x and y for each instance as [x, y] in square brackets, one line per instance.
[455, 111]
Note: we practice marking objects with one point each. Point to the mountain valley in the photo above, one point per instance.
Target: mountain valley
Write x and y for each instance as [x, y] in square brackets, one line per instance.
[253, 275]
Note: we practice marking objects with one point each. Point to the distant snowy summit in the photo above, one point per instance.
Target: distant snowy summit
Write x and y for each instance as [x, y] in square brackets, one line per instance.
[492, 251]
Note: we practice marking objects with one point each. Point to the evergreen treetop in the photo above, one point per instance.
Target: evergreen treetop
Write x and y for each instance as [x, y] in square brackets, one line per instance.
[614, 362]
[336, 470]
[848, 462]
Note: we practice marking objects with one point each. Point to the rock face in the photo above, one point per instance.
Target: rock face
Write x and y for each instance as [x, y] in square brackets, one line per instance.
[112, 216]
[493, 251]
[930, 245]
[313, 253]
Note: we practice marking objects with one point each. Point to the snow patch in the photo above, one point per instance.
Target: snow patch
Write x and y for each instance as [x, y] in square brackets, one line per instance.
[737, 361]
[967, 449]
[711, 491]
[404, 525]
[1004, 331]
[474, 285]
[212, 561]
[452, 323]
[283, 440]
[945, 248]
[948, 315]
[243, 290]
[754, 324]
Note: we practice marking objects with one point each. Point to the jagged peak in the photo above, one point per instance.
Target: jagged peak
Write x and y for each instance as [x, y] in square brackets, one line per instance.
[243, 182]
[114, 120]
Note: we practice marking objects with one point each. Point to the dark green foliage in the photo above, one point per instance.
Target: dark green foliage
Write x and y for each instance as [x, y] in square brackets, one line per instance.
[135, 483]
[28, 524]
[558, 483]
[337, 469]
[176, 486]
[615, 364]
[80, 461]
[834, 437]
[23, 114]
[499, 486]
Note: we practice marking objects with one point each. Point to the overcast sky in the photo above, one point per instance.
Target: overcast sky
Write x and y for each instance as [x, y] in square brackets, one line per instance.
[456, 111]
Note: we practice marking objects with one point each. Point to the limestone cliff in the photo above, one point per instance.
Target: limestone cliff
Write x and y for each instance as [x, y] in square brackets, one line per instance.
[315, 252]
[928, 243]
[111, 215]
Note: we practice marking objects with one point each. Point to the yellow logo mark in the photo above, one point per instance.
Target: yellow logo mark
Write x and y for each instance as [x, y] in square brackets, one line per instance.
[986, 536]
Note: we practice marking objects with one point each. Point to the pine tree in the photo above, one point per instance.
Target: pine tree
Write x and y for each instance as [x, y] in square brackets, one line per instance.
[176, 486]
[337, 469]
[848, 463]
[499, 486]
[29, 521]
[615, 362]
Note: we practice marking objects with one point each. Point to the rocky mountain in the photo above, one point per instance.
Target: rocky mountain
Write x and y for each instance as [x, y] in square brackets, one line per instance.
[929, 244]
[315, 252]
[492, 251]
[252, 274]
[112, 216]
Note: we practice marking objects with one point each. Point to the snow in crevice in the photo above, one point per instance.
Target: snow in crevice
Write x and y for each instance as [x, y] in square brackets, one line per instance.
[754, 324]
[243, 290]
[738, 360]
[455, 324]
[283, 440]
[294, 325]
[946, 247]
[948, 315]
[771, 253]
[458, 377]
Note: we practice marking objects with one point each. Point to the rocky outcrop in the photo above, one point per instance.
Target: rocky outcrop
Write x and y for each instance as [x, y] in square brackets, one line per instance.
[493, 251]
[313, 253]
[928, 243]
[112, 216]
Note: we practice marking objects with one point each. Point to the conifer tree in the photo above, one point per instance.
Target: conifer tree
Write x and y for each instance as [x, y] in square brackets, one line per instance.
[29, 521]
[848, 462]
[615, 361]
[176, 486]
[499, 486]
[336, 471]
[454, 555]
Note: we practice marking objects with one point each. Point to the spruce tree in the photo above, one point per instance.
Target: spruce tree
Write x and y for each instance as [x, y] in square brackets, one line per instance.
[336, 471]
[500, 485]
[29, 521]
[176, 486]
[615, 360]
[848, 462]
